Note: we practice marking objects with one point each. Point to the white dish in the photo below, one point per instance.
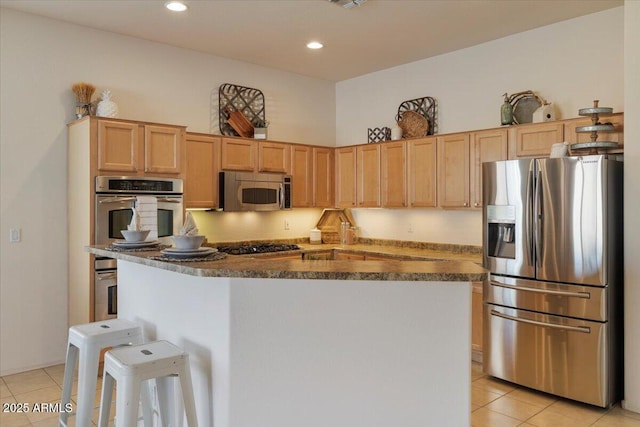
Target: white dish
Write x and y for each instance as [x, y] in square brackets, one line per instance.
[135, 236]
[188, 253]
[188, 242]
[125, 244]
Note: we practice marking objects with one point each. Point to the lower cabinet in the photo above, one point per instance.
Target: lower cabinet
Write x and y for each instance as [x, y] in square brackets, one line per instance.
[476, 321]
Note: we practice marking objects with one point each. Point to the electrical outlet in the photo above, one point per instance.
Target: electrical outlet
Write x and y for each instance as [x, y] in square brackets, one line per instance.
[410, 230]
[15, 235]
[286, 224]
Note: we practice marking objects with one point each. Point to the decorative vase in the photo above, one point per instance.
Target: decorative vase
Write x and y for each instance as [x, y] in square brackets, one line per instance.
[506, 112]
[106, 107]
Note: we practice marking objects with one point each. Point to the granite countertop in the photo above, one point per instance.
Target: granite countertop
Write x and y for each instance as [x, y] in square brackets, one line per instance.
[440, 253]
[446, 267]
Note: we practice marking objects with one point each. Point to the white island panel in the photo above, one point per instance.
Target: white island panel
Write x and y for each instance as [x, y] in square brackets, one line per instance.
[290, 353]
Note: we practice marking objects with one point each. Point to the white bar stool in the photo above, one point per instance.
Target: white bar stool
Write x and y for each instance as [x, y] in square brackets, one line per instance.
[130, 366]
[86, 341]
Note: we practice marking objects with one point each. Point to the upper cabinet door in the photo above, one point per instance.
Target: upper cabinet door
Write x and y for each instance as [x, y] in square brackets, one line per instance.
[117, 146]
[394, 174]
[368, 175]
[274, 157]
[422, 172]
[201, 171]
[323, 177]
[534, 140]
[453, 170]
[346, 177]
[487, 146]
[162, 149]
[302, 176]
[239, 154]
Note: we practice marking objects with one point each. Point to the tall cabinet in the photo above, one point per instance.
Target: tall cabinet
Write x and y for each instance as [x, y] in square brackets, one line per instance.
[99, 147]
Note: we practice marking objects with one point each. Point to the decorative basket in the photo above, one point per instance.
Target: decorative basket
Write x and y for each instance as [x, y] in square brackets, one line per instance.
[413, 124]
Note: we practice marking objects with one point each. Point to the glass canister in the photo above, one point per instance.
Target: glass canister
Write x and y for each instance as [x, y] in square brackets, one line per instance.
[344, 231]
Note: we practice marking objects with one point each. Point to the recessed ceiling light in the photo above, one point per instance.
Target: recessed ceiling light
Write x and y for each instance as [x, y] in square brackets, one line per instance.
[175, 6]
[314, 45]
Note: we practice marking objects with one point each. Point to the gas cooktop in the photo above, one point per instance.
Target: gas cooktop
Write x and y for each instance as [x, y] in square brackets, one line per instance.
[257, 249]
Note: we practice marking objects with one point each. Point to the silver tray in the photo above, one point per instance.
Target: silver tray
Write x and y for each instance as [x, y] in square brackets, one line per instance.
[596, 144]
[596, 128]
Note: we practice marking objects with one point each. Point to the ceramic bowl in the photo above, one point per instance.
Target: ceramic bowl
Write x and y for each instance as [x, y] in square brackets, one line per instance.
[134, 236]
[187, 242]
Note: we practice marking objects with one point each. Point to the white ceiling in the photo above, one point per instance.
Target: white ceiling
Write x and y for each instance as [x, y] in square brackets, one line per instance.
[376, 35]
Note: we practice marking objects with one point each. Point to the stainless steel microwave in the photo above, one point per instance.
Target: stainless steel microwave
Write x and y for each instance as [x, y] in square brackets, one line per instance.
[247, 191]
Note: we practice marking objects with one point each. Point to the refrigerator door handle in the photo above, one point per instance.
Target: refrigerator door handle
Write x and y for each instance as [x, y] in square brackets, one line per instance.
[542, 291]
[582, 329]
[529, 215]
[538, 219]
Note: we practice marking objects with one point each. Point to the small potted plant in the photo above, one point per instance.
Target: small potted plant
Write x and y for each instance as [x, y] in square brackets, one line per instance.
[260, 129]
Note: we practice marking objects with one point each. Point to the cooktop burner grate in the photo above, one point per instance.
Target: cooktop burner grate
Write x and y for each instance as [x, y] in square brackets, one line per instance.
[257, 249]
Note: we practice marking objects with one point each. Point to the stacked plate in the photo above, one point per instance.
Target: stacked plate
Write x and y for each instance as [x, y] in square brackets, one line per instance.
[134, 245]
[188, 253]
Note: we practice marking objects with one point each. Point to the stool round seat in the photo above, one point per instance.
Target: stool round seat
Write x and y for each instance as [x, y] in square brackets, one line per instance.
[85, 343]
[130, 366]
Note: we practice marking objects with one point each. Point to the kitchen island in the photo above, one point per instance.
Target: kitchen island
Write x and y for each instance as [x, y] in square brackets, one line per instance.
[311, 343]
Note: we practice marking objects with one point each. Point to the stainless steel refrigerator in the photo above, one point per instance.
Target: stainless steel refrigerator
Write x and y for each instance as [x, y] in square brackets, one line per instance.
[552, 239]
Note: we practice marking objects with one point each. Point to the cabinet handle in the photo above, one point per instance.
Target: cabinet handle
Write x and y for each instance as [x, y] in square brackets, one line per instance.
[465, 204]
[476, 204]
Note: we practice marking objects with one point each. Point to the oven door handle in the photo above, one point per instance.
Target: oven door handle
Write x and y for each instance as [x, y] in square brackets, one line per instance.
[106, 276]
[583, 329]
[118, 199]
[168, 200]
[542, 291]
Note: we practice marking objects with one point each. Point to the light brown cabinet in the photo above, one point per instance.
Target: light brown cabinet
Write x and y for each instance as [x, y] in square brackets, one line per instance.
[453, 170]
[237, 154]
[323, 177]
[393, 161]
[422, 172]
[368, 175]
[534, 140]
[476, 321]
[118, 148]
[163, 149]
[486, 146]
[302, 176]
[274, 157]
[137, 148]
[202, 164]
[345, 177]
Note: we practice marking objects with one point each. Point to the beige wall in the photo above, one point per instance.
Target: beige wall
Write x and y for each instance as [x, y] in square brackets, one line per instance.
[632, 207]
[41, 59]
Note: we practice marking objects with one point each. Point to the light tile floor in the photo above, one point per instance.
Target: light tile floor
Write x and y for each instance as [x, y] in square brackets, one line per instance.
[494, 403]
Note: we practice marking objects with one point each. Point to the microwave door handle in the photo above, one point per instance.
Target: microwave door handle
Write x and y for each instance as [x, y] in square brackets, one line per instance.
[118, 199]
[281, 195]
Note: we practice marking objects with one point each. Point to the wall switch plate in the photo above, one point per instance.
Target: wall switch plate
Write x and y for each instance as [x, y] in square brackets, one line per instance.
[410, 230]
[286, 224]
[15, 235]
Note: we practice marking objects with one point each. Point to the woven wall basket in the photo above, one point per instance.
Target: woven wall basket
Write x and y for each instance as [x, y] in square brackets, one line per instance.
[413, 124]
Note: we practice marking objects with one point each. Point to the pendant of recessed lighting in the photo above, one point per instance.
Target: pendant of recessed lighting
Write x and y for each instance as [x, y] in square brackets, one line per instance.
[348, 4]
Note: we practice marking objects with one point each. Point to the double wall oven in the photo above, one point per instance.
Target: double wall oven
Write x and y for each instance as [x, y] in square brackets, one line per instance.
[115, 196]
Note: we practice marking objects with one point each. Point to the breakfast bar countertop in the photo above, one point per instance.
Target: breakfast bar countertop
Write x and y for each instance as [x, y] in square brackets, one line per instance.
[457, 267]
